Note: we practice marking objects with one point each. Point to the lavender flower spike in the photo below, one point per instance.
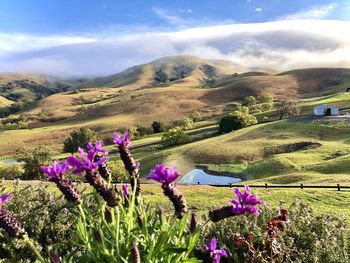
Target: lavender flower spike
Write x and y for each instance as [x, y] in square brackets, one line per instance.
[213, 254]
[89, 166]
[87, 161]
[166, 176]
[123, 143]
[10, 224]
[245, 202]
[56, 174]
[4, 199]
[100, 153]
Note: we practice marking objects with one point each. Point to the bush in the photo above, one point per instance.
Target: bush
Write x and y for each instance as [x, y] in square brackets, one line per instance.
[236, 120]
[79, 138]
[157, 127]
[142, 131]
[196, 116]
[41, 155]
[249, 101]
[47, 220]
[306, 238]
[119, 174]
[185, 123]
[175, 136]
[264, 98]
[11, 171]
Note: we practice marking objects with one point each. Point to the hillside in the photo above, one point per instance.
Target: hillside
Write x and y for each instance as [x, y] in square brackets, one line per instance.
[166, 89]
[184, 70]
[20, 87]
[301, 83]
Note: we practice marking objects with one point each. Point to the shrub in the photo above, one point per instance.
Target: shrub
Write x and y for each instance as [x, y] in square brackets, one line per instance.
[196, 116]
[157, 127]
[142, 131]
[236, 120]
[48, 220]
[175, 136]
[79, 138]
[185, 123]
[264, 98]
[119, 174]
[41, 155]
[249, 101]
[305, 238]
[11, 171]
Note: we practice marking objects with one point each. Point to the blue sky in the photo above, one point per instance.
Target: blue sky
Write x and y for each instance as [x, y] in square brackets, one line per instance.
[59, 36]
[90, 16]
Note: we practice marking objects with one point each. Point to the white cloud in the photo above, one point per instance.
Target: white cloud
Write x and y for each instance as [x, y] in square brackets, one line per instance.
[170, 19]
[279, 45]
[259, 9]
[317, 12]
[20, 42]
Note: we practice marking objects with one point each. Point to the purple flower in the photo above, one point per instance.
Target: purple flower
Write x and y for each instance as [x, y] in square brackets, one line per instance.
[122, 141]
[126, 192]
[87, 161]
[97, 148]
[4, 199]
[212, 252]
[245, 202]
[57, 170]
[163, 174]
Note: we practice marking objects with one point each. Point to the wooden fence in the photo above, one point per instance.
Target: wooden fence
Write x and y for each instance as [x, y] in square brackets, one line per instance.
[300, 186]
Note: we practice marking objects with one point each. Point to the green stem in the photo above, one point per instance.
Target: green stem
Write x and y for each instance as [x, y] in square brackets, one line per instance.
[33, 247]
[83, 216]
[117, 234]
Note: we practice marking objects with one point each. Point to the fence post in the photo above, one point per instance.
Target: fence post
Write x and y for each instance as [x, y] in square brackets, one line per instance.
[301, 186]
[338, 185]
[265, 185]
[230, 185]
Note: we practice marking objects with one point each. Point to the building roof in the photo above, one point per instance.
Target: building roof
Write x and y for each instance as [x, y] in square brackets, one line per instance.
[325, 106]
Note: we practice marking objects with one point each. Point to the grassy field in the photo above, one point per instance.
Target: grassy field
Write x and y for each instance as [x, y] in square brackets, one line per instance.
[200, 199]
[266, 153]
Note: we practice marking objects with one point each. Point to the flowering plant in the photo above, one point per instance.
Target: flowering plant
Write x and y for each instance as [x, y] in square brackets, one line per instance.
[123, 228]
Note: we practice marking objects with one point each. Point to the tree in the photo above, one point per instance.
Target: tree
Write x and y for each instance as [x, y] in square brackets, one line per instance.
[175, 136]
[264, 98]
[236, 120]
[79, 138]
[33, 160]
[287, 108]
[249, 101]
[157, 127]
[196, 116]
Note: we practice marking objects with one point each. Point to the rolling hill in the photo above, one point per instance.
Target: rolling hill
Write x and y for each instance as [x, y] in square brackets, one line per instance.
[165, 89]
[20, 87]
[184, 70]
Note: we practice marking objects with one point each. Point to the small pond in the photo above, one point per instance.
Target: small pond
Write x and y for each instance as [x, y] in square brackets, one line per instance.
[199, 176]
[10, 161]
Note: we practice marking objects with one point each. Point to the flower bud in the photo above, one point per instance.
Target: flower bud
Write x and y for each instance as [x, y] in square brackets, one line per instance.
[11, 225]
[193, 224]
[135, 253]
[54, 258]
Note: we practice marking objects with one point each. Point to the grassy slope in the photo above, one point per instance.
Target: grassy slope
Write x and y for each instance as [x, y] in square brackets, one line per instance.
[202, 198]
[247, 153]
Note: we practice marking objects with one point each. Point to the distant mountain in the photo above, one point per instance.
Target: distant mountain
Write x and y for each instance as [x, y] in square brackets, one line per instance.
[300, 83]
[168, 71]
[20, 87]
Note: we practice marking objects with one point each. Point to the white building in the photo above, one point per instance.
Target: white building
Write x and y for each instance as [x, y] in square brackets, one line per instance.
[326, 110]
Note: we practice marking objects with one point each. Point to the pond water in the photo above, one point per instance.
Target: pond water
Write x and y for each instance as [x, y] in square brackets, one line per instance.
[9, 161]
[199, 176]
